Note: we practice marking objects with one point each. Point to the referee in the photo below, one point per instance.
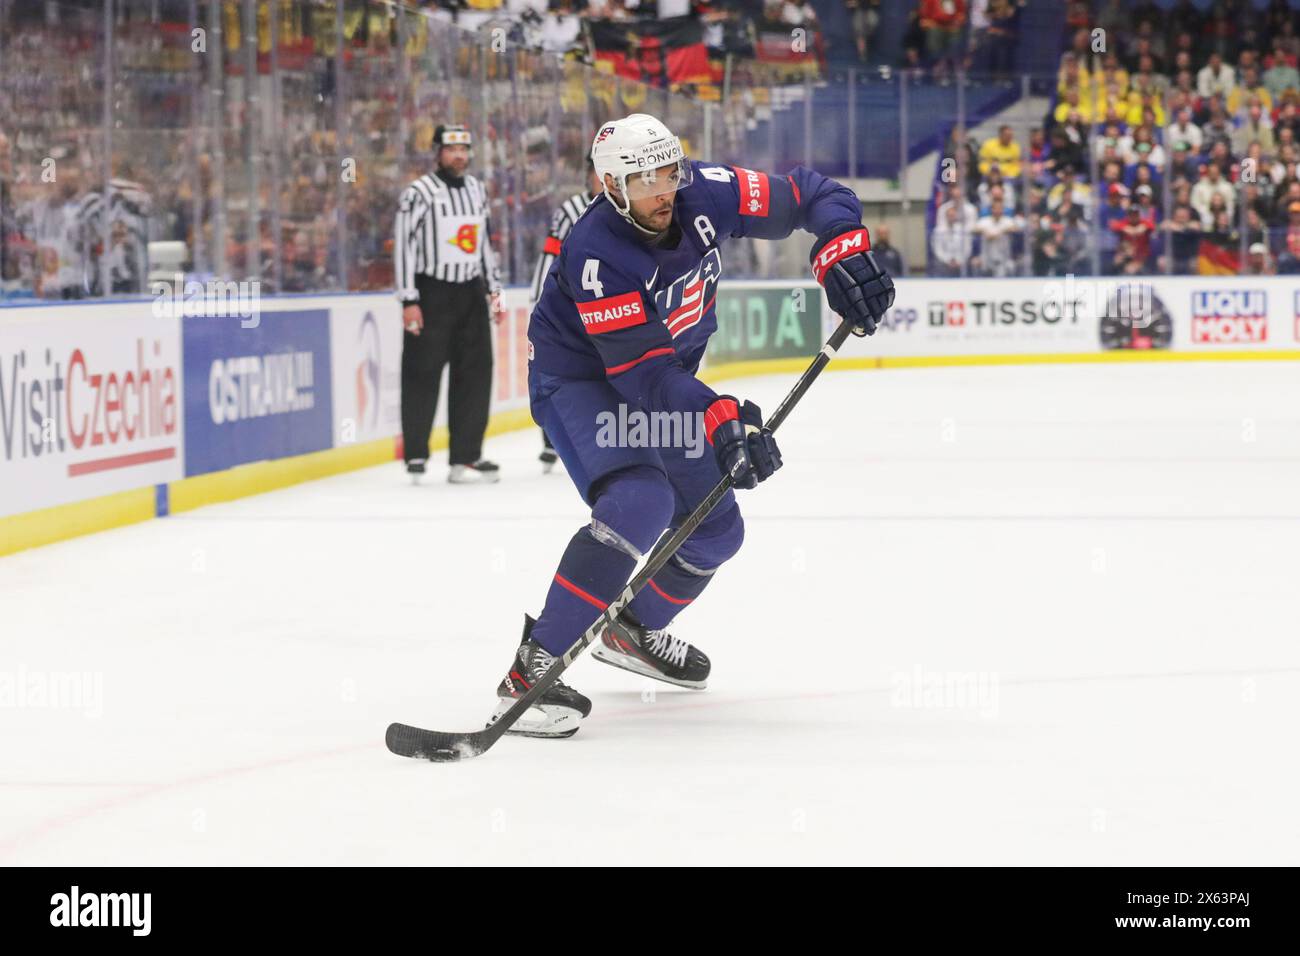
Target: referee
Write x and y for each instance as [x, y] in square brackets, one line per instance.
[561, 222]
[445, 271]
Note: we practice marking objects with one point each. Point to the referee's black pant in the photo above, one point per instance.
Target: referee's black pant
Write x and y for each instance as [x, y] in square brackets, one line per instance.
[456, 330]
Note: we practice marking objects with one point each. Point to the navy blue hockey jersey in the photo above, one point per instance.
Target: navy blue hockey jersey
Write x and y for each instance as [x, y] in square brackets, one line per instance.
[615, 305]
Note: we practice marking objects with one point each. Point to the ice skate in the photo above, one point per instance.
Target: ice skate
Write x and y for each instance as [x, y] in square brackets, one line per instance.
[655, 654]
[480, 472]
[558, 713]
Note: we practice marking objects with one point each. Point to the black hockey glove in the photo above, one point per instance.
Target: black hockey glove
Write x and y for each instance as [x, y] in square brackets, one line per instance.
[856, 287]
[745, 449]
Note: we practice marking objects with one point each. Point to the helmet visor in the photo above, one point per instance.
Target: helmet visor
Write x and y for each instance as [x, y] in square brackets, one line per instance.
[659, 180]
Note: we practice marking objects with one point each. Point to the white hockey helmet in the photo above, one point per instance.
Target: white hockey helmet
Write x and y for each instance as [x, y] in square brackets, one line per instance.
[634, 151]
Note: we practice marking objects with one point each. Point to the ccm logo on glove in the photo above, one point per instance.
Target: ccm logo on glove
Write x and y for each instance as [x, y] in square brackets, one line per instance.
[857, 289]
[846, 245]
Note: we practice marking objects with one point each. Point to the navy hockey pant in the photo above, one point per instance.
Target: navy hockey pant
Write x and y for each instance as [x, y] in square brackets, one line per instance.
[636, 491]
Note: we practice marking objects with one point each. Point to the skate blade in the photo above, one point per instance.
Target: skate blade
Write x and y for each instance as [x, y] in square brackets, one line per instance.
[629, 663]
[540, 720]
[478, 479]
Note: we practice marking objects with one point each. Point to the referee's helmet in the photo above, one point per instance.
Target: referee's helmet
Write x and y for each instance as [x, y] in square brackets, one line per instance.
[451, 135]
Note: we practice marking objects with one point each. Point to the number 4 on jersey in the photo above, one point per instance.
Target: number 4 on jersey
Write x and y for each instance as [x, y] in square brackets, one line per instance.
[719, 174]
[589, 280]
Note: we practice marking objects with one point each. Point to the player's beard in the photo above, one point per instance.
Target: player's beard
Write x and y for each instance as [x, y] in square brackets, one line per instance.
[656, 224]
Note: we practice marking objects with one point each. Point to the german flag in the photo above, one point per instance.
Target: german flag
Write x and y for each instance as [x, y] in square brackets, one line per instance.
[1212, 260]
[658, 52]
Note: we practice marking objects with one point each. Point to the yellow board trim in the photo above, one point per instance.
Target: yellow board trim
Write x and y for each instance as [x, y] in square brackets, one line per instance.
[261, 476]
[499, 424]
[48, 525]
[36, 528]
[258, 477]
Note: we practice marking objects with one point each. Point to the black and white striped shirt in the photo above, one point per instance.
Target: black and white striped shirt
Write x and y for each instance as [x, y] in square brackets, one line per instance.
[442, 231]
[561, 223]
[130, 206]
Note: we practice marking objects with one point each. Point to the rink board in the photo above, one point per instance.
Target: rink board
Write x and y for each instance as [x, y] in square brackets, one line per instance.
[111, 413]
[1207, 315]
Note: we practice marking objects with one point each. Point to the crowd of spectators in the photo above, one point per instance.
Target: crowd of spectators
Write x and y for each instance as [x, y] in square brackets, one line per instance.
[944, 36]
[177, 177]
[730, 26]
[65, 233]
[1173, 149]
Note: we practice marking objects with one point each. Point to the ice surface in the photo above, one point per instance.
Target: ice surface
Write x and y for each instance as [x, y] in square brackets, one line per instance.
[986, 615]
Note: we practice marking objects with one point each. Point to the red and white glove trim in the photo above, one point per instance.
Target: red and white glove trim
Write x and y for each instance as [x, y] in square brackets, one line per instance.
[846, 244]
[724, 409]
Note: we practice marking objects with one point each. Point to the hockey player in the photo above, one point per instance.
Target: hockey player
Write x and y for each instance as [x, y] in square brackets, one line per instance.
[623, 319]
[561, 222]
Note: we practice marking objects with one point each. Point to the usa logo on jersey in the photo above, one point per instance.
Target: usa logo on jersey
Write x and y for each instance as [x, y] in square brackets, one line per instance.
[686, 300]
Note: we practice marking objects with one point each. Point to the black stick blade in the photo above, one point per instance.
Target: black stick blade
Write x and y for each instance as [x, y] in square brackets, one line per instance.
[406, 741]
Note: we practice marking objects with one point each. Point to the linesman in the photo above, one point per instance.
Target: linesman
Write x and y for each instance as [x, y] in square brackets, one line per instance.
[447, 276]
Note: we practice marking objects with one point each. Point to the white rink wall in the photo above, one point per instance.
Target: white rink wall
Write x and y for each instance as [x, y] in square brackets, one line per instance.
[1208, 315]
[98, 399]
[103, 398]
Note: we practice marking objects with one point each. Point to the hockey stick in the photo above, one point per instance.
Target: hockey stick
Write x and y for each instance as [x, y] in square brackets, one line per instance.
[407, 741]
